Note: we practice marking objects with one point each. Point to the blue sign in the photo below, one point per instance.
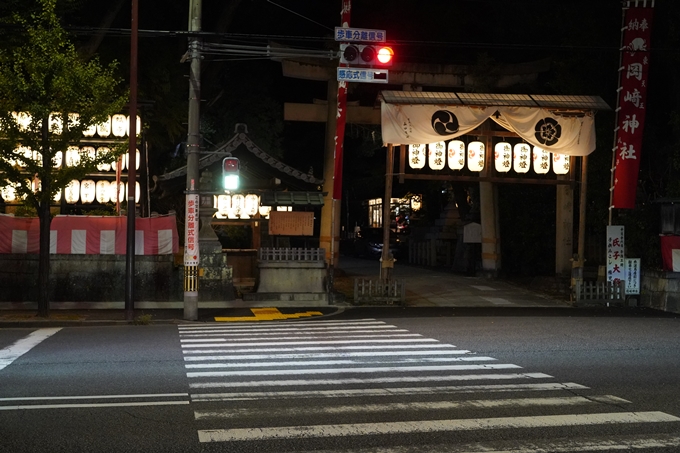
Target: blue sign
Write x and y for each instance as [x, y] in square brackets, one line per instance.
[348, 34]
[365, 75]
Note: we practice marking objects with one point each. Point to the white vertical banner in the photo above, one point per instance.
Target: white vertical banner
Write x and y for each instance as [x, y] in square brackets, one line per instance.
[632, 275]
[615, 254]
[191, 231]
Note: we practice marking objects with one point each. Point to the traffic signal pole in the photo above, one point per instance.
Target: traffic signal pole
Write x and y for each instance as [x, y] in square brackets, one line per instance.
[191, 249]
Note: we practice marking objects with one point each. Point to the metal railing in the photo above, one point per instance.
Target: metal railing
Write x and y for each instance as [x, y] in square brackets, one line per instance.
[291, 254]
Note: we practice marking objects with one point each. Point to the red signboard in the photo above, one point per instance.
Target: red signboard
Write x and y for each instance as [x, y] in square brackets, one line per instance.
[632, 104]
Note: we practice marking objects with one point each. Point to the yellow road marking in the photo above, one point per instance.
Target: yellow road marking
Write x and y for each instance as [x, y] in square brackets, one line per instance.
[268, 314]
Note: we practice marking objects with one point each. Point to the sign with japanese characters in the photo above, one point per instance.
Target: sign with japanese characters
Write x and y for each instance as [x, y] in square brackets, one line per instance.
[291, 223]
[615, 254]
[366, 75]
[191, 231]
[632, 104]
[632, 275]
[349, 34]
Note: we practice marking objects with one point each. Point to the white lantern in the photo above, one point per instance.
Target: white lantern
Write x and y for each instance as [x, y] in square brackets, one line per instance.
[119, 125]
[456, 155]
[541, 161]
[87, 191]
[436, 157]
[90, 131]
[73, 120]
[417, 156]
[103, 191]
[127, 160]
[476, 156]
[57, 196]
[58, 159]
[264, 211]
[238, 204]
[117, 192]
[560, 164]
[104, 166]
[224, 204]
[137, 191]
[72, 192]
[138, 126]
[72, 156]
[521, 158]
[503, 157]
[89, 151]
[26, 155]
[55, 123]
[104, 128]
[252, 203]
[9, 193]
[118, 164]
[22, 119]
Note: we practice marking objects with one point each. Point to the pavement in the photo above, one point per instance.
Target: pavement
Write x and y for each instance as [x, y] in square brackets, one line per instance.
[425, 288]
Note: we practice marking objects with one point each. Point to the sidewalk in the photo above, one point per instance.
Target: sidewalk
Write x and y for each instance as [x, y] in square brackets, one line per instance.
[424, 288]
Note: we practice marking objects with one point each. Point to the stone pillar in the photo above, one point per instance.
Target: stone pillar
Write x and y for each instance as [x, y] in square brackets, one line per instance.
[329, 238]
[491, 255]
[564, 230]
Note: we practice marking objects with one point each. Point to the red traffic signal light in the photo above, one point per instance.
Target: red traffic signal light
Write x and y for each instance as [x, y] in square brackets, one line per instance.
[230, 173]
[367, 55]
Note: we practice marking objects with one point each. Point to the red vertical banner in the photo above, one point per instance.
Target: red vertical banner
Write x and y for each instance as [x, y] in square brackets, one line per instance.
[632, 103]
[341, 114]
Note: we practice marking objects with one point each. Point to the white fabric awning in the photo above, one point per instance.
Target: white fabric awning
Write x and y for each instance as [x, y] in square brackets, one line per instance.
[557, 130]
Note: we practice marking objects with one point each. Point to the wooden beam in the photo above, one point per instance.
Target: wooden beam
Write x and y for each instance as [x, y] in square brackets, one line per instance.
[319, 113]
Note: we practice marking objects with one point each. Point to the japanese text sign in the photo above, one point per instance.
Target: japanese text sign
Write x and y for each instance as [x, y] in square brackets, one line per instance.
[191, 231]
[615, 254]
[632, 275]
[349, 34]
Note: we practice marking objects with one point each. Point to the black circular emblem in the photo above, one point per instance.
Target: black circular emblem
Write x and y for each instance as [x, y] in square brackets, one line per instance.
[444, 122]
[548, 131]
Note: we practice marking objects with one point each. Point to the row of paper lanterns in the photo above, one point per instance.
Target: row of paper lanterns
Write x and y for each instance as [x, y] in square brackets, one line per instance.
[519, 158]
[87, 191]
[240, 206]
[73, 156]
[116, 125]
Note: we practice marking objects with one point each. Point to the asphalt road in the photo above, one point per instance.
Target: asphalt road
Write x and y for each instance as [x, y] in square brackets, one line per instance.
[362, 381]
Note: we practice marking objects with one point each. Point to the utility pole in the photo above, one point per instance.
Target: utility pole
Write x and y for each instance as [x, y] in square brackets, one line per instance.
[132, 174]
[191, 250]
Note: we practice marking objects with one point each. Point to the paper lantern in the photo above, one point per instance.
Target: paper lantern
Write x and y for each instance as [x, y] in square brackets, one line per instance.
[89, 151]
[25, 156]
[252, 203]
[224, 204]
[119, 126]
[138, 125]
[58, 159]
[73, 120]
[9, 193]
[456, 155]
[72, 156]
[264, 211]
[137, 191]
[117, 192]
[541, 161]
[72, 192]
[127, 160]
[118, 164]
[436, 157]
[90, 131]
[521, 158]
[104, 166]
[104, 128]
[22, 119]
[476, 156]
[55, 123]
[503, 157]
[103, 191]
[87, 191]
[560, 164]
[417, 156]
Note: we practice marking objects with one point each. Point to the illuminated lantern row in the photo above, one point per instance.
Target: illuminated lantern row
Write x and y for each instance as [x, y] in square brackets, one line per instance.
[103, 191]
[519, 158]
[239, 206]
[116, 125]
[73, 156]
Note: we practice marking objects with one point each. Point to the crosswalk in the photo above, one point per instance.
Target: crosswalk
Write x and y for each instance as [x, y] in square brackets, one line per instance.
[367, 386]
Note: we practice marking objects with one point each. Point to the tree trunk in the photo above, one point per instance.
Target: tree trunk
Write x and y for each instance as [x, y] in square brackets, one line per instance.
[45, 220]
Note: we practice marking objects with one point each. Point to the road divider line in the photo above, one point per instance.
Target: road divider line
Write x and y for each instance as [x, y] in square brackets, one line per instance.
[22, 346]
[388, 392]
[356, 381]
[425, 426]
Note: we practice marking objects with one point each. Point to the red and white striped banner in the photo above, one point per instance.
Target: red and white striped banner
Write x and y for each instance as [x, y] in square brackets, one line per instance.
[632, 103]
[92, 235]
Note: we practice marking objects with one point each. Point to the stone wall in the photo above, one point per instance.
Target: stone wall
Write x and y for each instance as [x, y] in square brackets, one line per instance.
[661, 290]
[101, 278]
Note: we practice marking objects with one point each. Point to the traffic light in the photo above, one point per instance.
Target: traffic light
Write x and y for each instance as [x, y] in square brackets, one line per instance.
[366, 54]
[230, 171]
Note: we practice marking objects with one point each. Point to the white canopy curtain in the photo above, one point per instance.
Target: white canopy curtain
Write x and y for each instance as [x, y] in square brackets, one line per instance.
[541, 127]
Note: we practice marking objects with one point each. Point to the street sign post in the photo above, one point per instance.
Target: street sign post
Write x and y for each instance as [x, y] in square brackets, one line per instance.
[348, 34]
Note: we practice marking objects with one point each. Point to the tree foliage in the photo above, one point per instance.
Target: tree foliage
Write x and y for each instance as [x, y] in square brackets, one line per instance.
[43, 77]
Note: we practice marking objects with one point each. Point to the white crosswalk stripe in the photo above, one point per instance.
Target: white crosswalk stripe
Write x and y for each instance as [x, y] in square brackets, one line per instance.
[319, 379]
